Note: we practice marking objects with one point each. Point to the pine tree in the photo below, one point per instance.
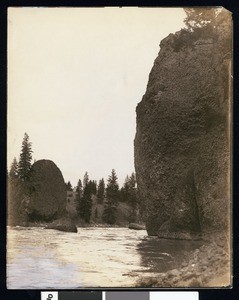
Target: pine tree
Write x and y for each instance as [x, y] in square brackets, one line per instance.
[13, 173]
[112, 198]
[24, 165]
[96, 213]
[79, 195]
[124, 192]
[132, 198]
[69, 186]
[132, 191]
[85, 205]
[92, 187]
[112, 190]
[85, 202]
[85, 180]
[129, 195]
[79, 188]
[101, 191]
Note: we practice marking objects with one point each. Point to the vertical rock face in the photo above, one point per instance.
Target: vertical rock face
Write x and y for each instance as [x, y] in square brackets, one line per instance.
[47, 199]
[182, 143]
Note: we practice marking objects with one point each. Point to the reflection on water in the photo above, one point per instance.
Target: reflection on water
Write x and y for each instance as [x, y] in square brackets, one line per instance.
[161, 255]
[94, 257]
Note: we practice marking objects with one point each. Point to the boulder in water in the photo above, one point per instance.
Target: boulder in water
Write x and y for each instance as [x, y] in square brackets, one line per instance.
[63, 224]
[136, 226]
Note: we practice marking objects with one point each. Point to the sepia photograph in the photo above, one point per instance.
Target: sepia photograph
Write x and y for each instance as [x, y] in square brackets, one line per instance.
[119, 142]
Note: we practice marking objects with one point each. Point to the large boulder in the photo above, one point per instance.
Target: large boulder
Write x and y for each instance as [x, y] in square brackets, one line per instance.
[136, 226]
[182, 144]
[47, 199]
[63, 224]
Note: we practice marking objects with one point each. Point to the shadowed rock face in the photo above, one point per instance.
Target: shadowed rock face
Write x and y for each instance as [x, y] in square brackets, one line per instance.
[47, 198]
[182, 152]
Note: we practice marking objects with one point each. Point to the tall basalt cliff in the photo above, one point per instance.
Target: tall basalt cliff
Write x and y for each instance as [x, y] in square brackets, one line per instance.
[182, 143]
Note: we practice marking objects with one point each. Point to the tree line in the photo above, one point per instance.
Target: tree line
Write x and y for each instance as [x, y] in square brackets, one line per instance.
[22, 168]
[108, 194]
[18, 183]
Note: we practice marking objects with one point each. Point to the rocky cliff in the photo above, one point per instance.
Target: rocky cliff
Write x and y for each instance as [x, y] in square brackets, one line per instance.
[182, 143]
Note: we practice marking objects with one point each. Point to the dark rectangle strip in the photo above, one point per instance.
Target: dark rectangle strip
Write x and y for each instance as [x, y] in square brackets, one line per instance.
[80, 295]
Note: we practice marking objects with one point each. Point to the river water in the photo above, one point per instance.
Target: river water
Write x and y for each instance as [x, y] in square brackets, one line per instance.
[93, 257]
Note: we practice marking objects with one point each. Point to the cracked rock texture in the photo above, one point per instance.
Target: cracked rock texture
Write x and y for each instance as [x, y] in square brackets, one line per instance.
[182, 143]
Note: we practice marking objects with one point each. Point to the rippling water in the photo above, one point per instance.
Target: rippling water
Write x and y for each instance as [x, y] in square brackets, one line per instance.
[93, 257]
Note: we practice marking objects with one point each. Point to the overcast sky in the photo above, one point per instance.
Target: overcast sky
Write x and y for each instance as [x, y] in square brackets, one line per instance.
[75, 76]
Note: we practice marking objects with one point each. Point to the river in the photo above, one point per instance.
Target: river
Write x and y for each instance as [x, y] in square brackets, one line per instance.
[93, 257]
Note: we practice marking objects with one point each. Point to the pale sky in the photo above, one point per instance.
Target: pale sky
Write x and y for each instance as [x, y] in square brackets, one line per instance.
[75, 76]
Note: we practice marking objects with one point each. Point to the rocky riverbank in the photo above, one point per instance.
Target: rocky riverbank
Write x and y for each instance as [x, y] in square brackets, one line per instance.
[208, 266]
[90, 225]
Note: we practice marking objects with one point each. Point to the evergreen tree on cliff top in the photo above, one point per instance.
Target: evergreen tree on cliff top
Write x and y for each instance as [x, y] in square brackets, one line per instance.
[112, 199]
[216, 21]
[207, 23]
[24, 165]
[200, 17]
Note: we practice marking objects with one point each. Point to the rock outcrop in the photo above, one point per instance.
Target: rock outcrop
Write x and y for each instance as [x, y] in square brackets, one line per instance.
[47, 198]
[63, 224]
[208, 266]
[136, 226]
[182, 144]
